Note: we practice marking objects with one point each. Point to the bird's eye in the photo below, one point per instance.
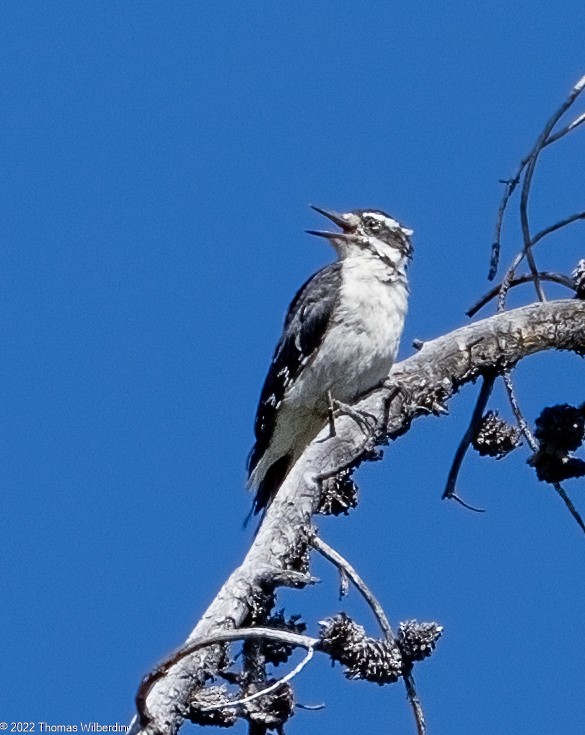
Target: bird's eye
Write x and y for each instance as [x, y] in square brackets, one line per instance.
[373, 225]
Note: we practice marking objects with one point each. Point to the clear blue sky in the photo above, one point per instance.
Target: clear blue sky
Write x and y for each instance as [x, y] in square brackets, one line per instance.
[157, 163]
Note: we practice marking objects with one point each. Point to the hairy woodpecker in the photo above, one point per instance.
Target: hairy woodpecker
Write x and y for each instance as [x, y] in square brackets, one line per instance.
[339, 341]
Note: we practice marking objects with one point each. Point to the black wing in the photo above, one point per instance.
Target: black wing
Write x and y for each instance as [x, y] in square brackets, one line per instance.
[304, 328]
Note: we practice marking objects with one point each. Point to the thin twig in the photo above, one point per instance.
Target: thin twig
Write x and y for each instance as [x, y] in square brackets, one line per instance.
[567, 129]
[544, 140]
[557, 226]
[417, 710]
[527, 182]
[346, 568]
[310, 707]
[521, 421]
[506, 283]
[486, 390]
[343, 584]
[517, 281]
[226, 636]
[273, 687]
[342, 564]
[511, 185]
[509, 277]
[524, 196]
[569, 503]
[510, 273]
[535, 448]
[462, 502]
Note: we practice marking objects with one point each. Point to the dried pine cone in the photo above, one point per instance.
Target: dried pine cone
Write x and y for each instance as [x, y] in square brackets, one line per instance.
[271, 710]
[365, 658]
[278, 653]
[495, 437]
[339, 494]
[261, 602]
[418, 640]
[298, 557]
[214, 696]
[556, 469]
[559, 430]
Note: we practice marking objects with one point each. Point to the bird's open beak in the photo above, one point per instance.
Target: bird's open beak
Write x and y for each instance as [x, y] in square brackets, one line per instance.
[334, 217]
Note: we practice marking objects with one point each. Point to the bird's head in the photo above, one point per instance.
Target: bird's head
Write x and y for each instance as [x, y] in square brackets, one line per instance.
[367, 231]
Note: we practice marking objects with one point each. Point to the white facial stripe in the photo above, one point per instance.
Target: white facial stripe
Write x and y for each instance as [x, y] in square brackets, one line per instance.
[378, 216]
[390, 223]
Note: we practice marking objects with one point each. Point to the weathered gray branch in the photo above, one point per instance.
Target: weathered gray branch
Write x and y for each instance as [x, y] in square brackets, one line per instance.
[426, 380]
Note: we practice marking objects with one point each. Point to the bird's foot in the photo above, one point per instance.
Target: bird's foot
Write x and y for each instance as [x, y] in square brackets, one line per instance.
[366, 421]
[331, 415]
[394, 391]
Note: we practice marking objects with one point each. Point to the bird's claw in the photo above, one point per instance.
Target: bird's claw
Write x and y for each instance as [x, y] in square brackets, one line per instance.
[365, 420]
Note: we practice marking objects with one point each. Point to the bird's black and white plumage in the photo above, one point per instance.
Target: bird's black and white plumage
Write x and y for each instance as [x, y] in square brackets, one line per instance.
[340, 339]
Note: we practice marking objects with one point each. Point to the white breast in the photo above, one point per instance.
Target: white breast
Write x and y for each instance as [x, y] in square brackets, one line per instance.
[356, 355]
[362, 340]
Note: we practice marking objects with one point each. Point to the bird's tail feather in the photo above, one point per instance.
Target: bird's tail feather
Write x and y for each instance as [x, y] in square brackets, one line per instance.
[268, 486]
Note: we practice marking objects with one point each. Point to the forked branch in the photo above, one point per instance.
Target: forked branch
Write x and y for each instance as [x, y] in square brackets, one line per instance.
[425, 381]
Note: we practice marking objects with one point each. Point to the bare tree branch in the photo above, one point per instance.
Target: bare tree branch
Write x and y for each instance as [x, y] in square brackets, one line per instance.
[417, 710]
[426, 379]
[527, 183]
[561, 492]
[220, 636]
[518, 281]
[344, 566]
[557, 226]
[526, 167]
[515, 406]
[579, 120]
[267, 690]
[484, 395]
